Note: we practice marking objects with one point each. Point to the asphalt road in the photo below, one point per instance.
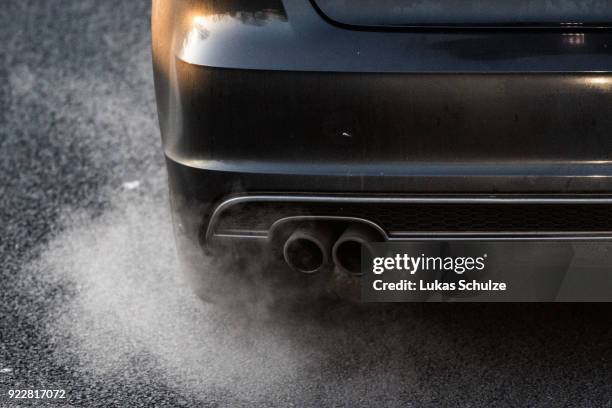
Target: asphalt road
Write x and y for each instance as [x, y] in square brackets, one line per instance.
[92, 302]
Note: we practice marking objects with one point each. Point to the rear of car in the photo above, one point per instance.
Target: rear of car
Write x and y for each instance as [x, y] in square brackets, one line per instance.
[294, 123]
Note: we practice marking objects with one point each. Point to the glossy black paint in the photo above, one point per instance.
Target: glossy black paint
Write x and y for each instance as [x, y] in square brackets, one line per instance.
[392, 124]
[264, 96]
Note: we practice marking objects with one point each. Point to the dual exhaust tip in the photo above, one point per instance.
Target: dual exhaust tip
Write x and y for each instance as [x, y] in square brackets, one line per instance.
[310, 250]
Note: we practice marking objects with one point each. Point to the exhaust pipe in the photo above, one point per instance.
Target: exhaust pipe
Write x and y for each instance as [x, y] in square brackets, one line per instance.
[347, 250]
[308, 249]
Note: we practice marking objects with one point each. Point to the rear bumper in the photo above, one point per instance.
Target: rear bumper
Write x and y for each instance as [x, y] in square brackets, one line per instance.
[215, 204]
[440, 136]
[513, 126]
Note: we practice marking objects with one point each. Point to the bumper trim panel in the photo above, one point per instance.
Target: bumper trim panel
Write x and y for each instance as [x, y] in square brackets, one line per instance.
[396, 235]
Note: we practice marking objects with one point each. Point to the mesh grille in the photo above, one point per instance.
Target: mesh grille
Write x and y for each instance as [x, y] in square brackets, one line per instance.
[434, 217]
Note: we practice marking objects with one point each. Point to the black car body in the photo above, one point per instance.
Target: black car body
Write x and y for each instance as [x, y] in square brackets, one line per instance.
[412, 120]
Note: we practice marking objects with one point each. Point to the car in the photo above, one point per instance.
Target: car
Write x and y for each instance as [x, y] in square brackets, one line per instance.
[306, 129]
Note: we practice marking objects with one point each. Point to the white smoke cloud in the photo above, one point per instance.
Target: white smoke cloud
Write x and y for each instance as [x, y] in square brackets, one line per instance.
[130, 299]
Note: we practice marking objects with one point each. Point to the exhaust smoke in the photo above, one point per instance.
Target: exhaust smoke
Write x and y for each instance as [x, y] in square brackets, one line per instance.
[130, 301]
[128, 315]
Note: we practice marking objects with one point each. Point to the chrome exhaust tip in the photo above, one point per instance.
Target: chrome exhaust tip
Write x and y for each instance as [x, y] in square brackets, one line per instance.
[346, 252]
[308, 249]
